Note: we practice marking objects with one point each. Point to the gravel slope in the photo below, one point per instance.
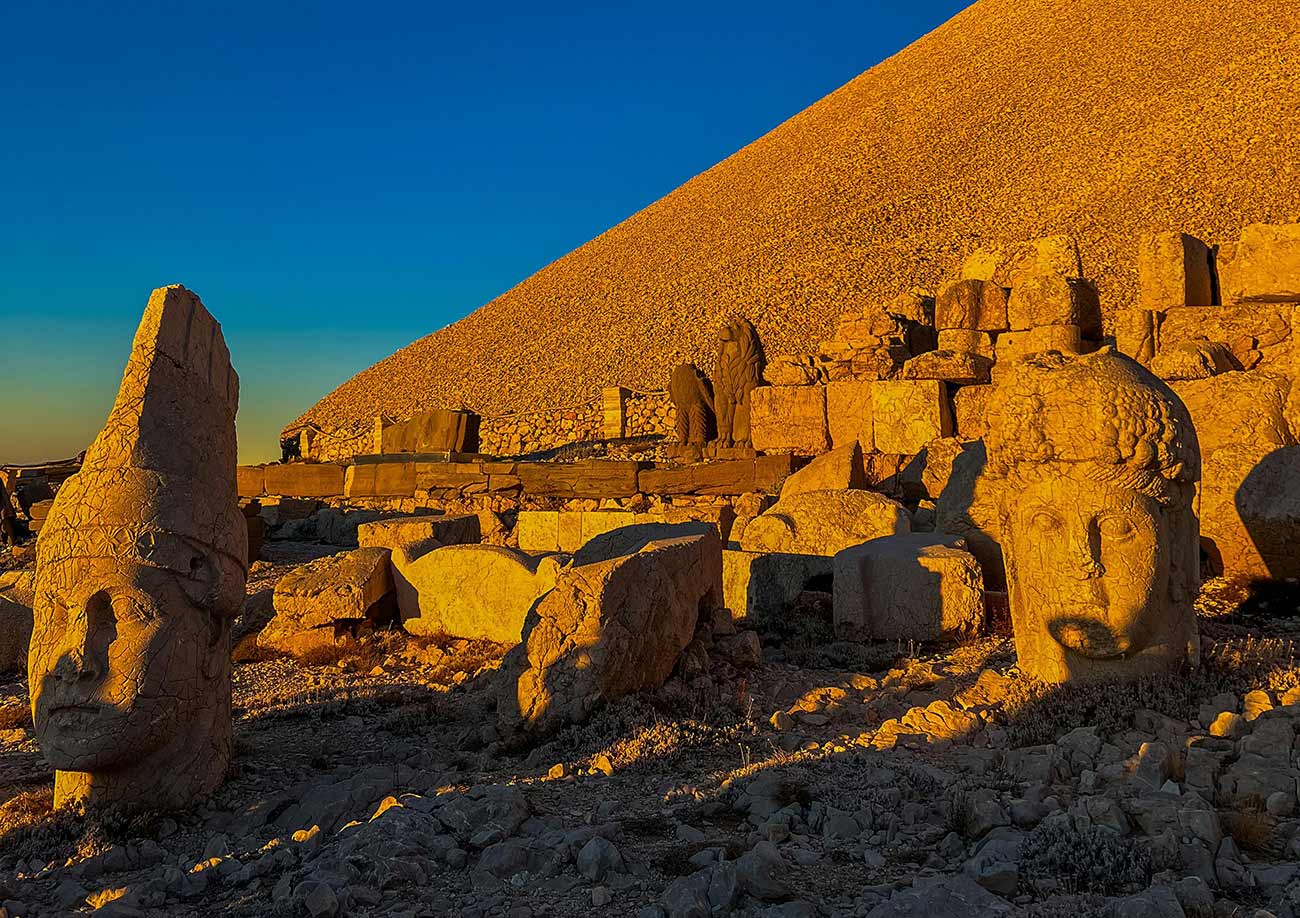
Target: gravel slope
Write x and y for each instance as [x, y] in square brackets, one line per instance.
[1017, 118]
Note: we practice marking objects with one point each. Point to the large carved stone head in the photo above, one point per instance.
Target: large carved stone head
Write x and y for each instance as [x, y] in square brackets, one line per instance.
[140, 568]
[1099, 462]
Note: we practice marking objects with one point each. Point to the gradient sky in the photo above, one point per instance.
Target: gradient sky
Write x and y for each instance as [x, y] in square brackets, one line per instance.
[336, 180]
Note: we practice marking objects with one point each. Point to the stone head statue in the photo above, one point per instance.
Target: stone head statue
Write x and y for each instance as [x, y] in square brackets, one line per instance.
[739, 372]
[140, 569]
[1098, 464]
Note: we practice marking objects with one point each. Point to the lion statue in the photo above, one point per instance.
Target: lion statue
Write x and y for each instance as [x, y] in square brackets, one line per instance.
[739, 372]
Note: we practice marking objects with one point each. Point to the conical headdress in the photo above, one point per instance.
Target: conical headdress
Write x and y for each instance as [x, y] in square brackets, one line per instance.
[160, 477]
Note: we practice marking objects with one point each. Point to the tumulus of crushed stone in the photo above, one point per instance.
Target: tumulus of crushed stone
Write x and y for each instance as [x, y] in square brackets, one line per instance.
[1105, 119]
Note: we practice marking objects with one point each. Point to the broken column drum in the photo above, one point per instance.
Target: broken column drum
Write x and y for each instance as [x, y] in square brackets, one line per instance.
[140, 570]
[1099, 463]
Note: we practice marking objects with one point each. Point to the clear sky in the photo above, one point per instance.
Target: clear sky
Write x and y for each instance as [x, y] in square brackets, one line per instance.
[338, 179]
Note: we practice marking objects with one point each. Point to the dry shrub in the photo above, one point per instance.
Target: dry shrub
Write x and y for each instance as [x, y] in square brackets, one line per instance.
[247, 650]
[1250, 826]
[15, 714]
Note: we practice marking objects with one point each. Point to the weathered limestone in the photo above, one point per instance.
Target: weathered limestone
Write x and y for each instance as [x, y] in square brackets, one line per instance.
[739, 371]
[433, 432]
[848, 414]
[969, 505]
[907, 414]
[840, 469]
[608, 629]
[970, 412]
[477, 592]
[907, 587]
[409, 538]
[789, 418]
[250, 480]
[1259, 335]
[1173, 270]
[974, 305]
[967, 341]
[1137, 333]
[1055, 300]
[379, 479]
[17, 595]
[1098, 461]
[140, 570]
[693, 398]
[303, 479]
[322, 600]
[1198, 359]
[758, 585]
[957, 367]
[1020, 344]
[1263, 266]
[620, 541]
[734, 477]
[1250, 511]
[824, 522]
[538, 530]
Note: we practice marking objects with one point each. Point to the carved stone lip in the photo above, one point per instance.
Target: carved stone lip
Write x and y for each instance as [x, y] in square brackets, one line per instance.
[73, 709]
[1089, 638]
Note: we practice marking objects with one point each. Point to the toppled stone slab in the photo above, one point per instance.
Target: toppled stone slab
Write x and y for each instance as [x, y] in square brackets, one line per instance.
[908, 587]
[628, 540]
[840, 469]
[732, 477]
[609, 629]
[17, 592]
[759, 585]
[1259, 335]
[477, 592]
[315, 603]
[824, 522]
[410, 537]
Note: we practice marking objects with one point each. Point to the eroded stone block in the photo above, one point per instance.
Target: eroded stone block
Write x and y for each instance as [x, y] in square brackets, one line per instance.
[1055, 300]
[919, 587]
[848, 414]
[789, 418]
[1173, 270]
[304, 479]
[838, 470]
[315, 601]
[761, 585]
[907, 414]
[1264, 267]
[824, 522]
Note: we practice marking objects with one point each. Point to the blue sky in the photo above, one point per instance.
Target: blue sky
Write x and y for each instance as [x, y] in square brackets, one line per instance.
[336, 180]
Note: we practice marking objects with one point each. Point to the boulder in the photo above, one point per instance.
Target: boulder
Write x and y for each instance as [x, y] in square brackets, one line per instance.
[1263, 267]
[789, 418]
[476, 592]
[1258, 334]
[824, 522]
[609, 629]
[318, 602]
[1067, 339]
[1173, 270]
[970, 304]
[942, 897]
[17, 592]
[1196, 359]
[840, 469]
[760, 585]
[908, 587]
[907, 414]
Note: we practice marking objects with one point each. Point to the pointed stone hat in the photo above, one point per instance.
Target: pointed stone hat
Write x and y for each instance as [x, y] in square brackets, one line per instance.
[158, 484]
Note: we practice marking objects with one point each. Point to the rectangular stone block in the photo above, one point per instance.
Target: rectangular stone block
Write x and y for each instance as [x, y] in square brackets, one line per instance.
[304, 479]
[966, 341]
[970, 412]
[919, 587]
[758, 585]
[419, 534]
[789, 418]
[1173, 270]
[250, 480]
[720, 518]
[599, 522]
[1264, 266]
[971, 304]
[594, 479]
[1137, 333]
[741, 476]
[538, 530]
[386, 479]
[848, 414]
[1053, 300]
[908, 414]
[1020, 344]
[570, 530]
[439, 476]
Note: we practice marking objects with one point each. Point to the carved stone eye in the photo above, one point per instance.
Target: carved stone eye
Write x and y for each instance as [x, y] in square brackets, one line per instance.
[1116, 528]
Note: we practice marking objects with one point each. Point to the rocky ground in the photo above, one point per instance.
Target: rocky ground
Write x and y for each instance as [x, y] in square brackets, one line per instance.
[830, 779]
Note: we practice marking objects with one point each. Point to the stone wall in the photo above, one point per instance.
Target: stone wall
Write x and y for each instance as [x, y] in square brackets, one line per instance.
[650, 413]
[535, 431]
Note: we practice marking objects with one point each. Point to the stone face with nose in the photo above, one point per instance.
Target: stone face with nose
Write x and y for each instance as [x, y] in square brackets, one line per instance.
[1099, 463]
[140, 568]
